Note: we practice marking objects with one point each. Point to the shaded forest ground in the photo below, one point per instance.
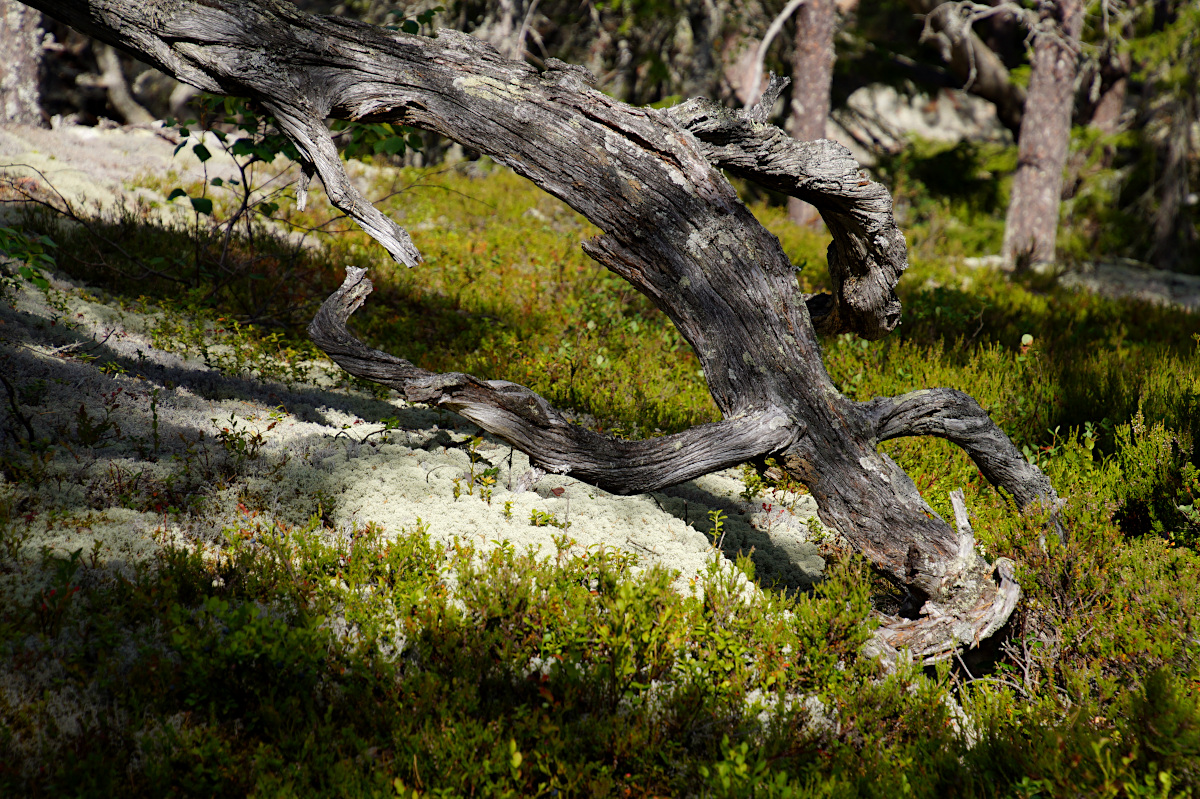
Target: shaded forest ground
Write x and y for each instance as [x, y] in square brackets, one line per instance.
[291, 656]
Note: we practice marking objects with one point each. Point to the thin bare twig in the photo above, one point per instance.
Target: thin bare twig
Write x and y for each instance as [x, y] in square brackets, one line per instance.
[16, 409]
[760, 55]
[520, 42]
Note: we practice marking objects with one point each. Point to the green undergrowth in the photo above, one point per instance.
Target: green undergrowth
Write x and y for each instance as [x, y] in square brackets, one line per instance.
[950, 199]
[310, 661]
[303, 662]
[1114, 385]
[506, 292]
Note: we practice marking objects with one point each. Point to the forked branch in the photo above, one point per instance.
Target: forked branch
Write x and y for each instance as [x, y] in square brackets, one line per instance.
[957, 417]
[525, 420]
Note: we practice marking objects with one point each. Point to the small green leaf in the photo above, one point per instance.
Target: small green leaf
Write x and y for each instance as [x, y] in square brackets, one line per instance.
[202, 152]
[217, 182]
[408, 26]
[176, 193]
[34, 276]
[393, 145]
[202, 205]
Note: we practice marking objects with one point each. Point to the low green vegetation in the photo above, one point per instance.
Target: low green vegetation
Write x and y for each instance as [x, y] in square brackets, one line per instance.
[303, 660]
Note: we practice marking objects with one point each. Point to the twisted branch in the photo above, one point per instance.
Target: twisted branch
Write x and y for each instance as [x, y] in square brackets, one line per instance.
[525, 420]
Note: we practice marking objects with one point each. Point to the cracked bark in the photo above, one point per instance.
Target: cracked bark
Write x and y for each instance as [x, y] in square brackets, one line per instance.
[672, 226]
[21, 37]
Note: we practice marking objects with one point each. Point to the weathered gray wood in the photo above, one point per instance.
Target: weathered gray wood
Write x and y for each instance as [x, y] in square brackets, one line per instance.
[868, 253]
[957, 417]
[973, 615]
[672, 226]
[527, 421]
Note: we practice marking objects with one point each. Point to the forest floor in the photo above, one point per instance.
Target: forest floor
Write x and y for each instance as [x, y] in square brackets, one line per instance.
[94, 166]
[314, 444]
[226, 569]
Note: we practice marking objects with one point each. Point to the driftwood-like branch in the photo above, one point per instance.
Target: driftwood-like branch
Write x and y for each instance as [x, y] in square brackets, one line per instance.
[948, 27]
[957, 417]
[672, 226]
[974, 615]
[526, 420]
[868, 253]
[306, 128]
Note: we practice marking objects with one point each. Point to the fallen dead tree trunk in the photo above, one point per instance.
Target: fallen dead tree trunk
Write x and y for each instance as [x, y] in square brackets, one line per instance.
[675, 229]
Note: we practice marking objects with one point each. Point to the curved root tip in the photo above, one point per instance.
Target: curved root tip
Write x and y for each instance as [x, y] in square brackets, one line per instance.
[980, 610]
[353, 292]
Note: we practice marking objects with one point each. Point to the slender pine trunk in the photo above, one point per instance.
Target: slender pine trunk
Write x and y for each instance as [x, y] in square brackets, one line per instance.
[812, 78]
[1032, 222]
[21, 45]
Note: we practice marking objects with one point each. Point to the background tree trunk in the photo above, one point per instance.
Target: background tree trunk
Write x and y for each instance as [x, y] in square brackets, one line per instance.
[1032, 222]
[812, 78]
[1112, 87]
[1174, 234]
[20, 64]
[697, 59]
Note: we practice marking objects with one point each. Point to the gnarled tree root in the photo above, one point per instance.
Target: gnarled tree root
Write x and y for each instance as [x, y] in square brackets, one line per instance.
[984, 601]
[673, 227]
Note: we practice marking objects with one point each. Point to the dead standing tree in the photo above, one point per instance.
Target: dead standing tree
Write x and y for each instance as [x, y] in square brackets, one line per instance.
[675, 229]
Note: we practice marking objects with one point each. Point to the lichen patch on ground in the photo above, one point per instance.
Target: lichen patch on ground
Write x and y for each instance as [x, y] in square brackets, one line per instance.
[153, 446]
